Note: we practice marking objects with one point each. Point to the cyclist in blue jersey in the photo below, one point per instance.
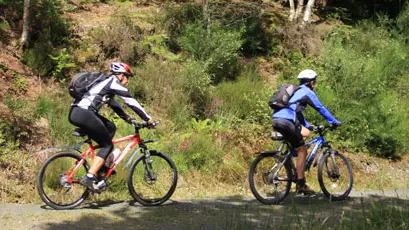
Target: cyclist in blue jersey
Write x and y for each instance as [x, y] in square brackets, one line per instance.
[290, 122]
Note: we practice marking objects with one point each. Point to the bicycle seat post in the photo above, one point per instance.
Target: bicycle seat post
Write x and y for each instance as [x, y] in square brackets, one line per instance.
[280, 149]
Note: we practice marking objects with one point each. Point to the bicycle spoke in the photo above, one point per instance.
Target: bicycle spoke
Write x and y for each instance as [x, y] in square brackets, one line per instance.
[270, 185]
[152, 182]
[153, 189]
[335, 176]
[54, 186]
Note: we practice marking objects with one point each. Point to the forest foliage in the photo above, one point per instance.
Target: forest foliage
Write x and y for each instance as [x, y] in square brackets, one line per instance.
[200, 75]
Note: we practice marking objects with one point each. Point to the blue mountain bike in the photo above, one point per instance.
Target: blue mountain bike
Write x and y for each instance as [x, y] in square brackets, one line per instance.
[272, 172]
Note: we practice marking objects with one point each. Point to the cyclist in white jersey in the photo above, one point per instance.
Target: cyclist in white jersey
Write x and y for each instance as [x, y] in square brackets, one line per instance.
[84, 114]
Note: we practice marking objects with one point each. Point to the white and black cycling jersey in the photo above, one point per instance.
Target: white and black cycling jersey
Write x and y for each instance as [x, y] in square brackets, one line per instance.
[104, 92]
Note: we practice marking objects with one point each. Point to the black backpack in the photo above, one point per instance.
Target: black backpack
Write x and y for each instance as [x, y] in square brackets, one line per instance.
[280, 99]
[81, 83]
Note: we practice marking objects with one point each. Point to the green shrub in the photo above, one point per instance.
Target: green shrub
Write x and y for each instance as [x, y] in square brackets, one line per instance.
[122, 38]
[16, 127]
[218, 50]
[196, 85]
[63, 63]
[4, 26]
[232, 16]
[363, 69]
[159, 83]
[174, 19]
[55, 108]
[157, 43]
[18, 86]
[41, 64]
[245, 99]
[201, 153]
[8, 138]
[402, 22]
[248, 17]
[196, 148]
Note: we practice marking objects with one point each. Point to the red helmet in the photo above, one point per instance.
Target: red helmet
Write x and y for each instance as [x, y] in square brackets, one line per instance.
[118, 68]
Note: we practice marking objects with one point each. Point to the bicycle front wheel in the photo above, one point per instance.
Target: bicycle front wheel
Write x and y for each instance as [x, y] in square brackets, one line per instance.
[335, 175]
[152, 180]
[54, 185]
[270, 180]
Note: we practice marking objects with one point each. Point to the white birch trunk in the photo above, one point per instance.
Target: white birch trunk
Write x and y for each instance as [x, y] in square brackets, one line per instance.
[307, 13]
[292, 10]
[298, 11]
[26, 24]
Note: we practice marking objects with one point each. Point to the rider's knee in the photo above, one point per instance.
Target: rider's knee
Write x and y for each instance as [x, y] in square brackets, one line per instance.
[305, 132]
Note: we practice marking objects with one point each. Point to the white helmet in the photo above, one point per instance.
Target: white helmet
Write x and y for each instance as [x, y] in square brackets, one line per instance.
[307, 75]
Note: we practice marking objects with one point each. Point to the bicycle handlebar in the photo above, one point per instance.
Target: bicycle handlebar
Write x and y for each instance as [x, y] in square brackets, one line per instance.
[141, 125]
[320, 129]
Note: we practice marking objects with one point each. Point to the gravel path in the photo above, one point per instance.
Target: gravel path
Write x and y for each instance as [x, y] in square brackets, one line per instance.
[217, 213]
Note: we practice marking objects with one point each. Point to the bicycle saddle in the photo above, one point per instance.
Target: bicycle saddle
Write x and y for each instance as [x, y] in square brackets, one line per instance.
[276, 136]
[78, 132]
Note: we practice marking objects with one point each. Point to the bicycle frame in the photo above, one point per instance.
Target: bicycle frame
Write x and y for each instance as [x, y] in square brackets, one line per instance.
[134, 139]
[316, 142]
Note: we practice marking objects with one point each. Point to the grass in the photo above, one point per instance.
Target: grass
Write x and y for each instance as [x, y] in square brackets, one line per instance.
[124, 3]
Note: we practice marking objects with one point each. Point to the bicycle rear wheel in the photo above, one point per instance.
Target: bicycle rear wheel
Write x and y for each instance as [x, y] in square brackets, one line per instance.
[152, 181]
[335, 175]
[55, 187]
[270, 181]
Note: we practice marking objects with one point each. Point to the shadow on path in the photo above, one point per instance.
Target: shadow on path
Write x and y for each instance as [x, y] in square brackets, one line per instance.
[226, 213]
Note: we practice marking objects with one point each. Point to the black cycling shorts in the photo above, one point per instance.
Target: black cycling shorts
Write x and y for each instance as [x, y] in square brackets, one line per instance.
[290, 131]
[97, 127]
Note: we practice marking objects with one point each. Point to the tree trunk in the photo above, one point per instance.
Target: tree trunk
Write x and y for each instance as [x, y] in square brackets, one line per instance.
[25, 36]
[292, 10]
[206, 15]
[299, 9]
[307, 12]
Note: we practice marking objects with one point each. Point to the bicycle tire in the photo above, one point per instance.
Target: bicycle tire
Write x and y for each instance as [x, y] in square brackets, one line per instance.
[49, 182]
[164, 169]
[262, 179]
[339, 186]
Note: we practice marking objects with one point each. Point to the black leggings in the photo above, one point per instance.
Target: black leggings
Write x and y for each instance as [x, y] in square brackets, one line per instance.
[97, 127]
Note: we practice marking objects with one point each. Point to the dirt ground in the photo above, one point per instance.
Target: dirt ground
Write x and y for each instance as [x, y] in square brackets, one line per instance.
[218, 213]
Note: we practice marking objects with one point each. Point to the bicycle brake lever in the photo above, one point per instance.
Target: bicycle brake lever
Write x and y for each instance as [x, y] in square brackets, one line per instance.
[153, 124]
[312, 128]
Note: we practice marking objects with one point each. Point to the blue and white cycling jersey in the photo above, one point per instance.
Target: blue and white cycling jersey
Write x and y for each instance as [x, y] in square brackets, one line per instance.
[302, 97]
